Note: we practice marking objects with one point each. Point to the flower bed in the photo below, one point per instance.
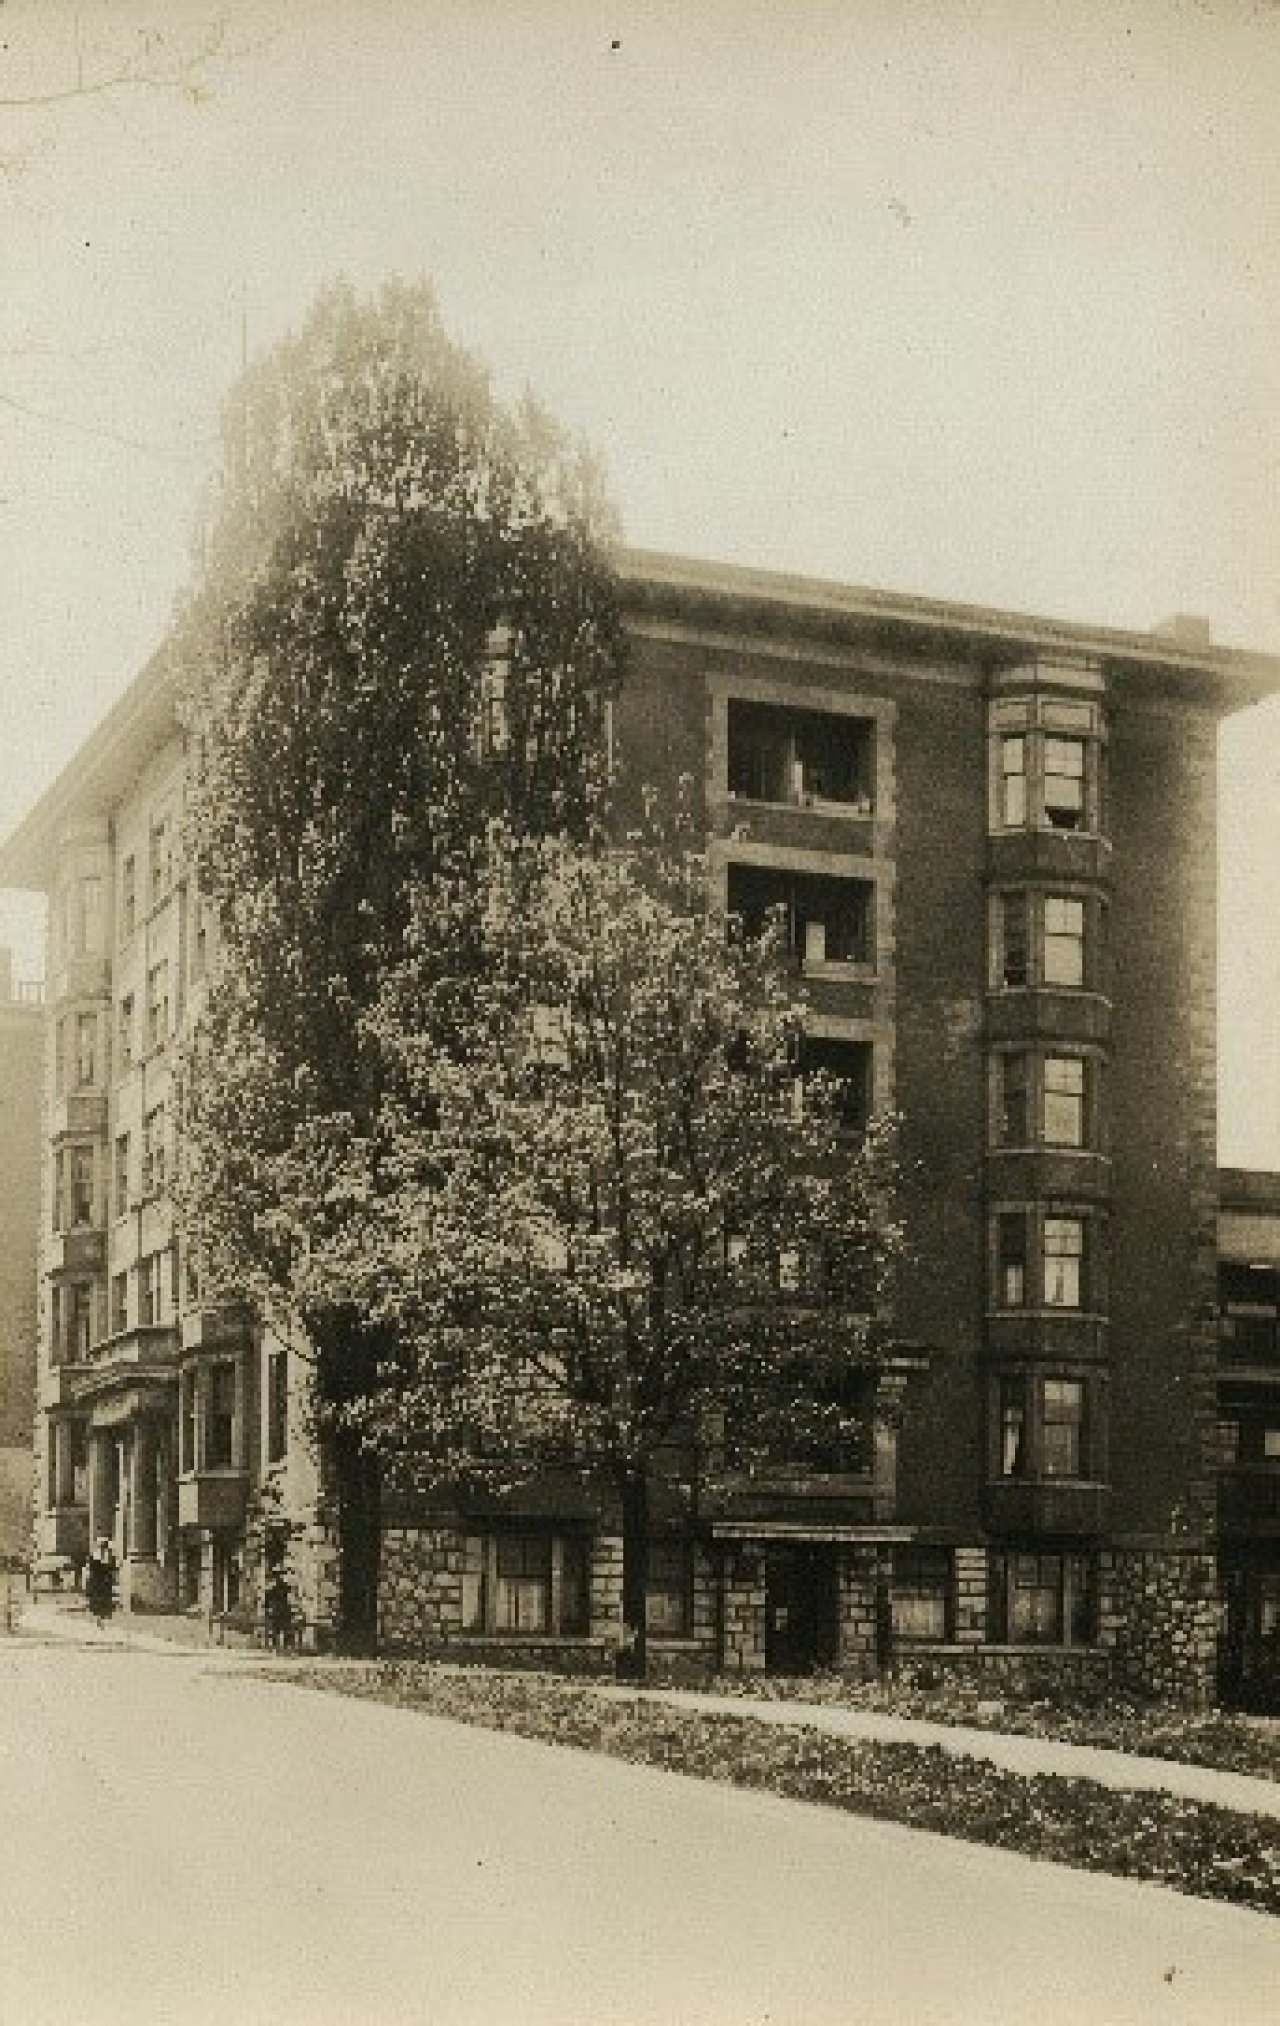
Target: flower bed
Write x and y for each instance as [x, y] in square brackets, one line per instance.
[1193, 1847]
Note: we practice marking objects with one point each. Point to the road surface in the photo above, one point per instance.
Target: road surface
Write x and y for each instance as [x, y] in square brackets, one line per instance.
[182, 1842]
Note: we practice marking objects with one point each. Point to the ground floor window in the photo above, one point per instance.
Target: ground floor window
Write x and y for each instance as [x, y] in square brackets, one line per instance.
[1041, 1598]
[922, 1590]
[669, 1596]
[526, 1582]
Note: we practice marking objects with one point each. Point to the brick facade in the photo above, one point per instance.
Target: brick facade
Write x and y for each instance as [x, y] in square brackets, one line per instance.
[1091, 1536]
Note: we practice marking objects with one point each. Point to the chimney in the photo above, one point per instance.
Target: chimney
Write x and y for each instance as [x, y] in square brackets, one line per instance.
[1185, 629]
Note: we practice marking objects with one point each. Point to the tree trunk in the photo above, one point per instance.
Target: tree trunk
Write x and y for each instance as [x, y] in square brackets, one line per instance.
[633, 1652]
[359, 1488]
[349, 1356]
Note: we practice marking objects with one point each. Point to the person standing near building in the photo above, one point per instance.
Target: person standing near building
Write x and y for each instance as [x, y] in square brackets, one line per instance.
[100, 1582]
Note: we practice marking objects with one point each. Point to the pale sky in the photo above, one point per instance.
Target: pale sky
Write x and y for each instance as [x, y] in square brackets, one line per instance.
[975, 298]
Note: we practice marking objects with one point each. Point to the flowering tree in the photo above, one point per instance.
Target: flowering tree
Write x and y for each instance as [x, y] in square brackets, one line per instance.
[610, 1220]
[404, 625]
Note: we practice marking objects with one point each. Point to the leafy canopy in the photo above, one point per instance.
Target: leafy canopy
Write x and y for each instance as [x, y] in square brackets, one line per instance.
[601, 1213]
[404, 625]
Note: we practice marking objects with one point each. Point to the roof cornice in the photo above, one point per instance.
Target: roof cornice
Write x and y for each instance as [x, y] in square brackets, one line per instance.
[687, 589]
[683, 585]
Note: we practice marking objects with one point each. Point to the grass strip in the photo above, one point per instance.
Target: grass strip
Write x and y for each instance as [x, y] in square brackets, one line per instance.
[1194, 1737]
[1192, 1846]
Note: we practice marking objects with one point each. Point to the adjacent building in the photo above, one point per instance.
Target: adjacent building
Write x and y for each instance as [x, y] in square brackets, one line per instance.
[1249, 1434]
[20, 1139]
[994, 840]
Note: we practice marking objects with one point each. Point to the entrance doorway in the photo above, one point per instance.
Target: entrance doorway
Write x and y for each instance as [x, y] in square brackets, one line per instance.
[1249, 1655]
[802, 1610]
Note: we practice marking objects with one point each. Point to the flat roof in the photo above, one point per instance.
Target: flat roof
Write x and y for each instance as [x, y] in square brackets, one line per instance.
[695, 591]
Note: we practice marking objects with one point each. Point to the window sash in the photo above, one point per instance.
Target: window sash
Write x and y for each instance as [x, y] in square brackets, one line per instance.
[1064, 1101]
[1013, 781]
[1062, 1428]
[920, 1599]
[1013, 1100]
[1063, 1261]
[1011, 1259]
[667, 1595]
[1013, 1428]
[1063, 940]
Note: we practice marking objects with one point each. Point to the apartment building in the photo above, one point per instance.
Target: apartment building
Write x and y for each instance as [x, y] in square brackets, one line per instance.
[993, 837]
[20, 1092]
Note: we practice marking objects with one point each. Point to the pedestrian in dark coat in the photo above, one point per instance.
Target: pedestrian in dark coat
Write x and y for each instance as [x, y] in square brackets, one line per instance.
[100, 1581]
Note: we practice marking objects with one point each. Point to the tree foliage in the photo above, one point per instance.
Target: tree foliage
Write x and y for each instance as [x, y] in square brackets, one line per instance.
[403, 626]
[604, 1225]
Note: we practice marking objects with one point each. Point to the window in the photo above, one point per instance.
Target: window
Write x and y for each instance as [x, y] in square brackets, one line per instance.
[161, 855]
[494, 731]
[824, 920]
[1013, 1101]
[124, 1030]
[78, 1447]
[153, 1152]
[1013, 782]
[119, 1303]
[1063, 941]
[86, 1049]
[128, 897]
[120, 1175]
[778, 754]
[1064, 783]
[1040, 1599]
[1047, 764]
[1014, 968]
[1063, 1262]
[220, 1420]
[150, 1290]
[1271, 1444]
[59, 1057]
[921, 1597]
[527, 1582]
[522, 1589]
[277, 1405]
[187, 1422]
[1062, 1428]
[92, 941]
[79, 1320]
[549, 1036]
[668, 1598]
[158, 1003]
[1064, 1120]
[849, 1065]
[80, 1187]
[1014, 1461]
[1011, 1259]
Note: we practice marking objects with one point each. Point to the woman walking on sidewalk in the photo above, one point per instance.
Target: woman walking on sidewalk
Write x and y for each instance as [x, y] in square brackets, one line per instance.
[100, 1582]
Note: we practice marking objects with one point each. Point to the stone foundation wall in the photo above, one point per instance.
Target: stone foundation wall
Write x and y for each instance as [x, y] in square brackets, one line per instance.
[859, 1569]
[1159, 1618]
[969, 1599]
[743, 1611]
[420, 1586]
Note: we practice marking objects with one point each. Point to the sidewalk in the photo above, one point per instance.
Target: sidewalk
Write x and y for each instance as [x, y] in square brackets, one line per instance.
[1240, 1792]
[66, 1619]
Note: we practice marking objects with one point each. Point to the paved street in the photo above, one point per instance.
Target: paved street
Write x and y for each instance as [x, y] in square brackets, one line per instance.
[184, 1842]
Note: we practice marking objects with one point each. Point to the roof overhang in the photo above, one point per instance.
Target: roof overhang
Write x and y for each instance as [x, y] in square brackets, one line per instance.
[683, 589]
[687, 591]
